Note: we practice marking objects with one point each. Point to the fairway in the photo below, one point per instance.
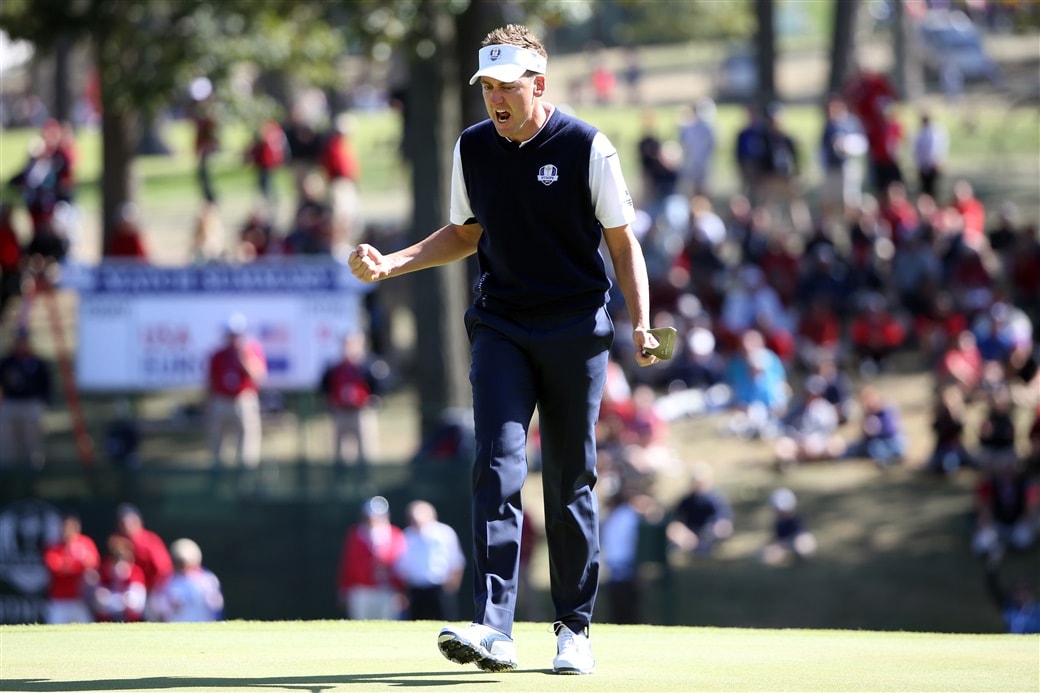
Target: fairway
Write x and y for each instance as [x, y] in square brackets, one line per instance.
[342, 655]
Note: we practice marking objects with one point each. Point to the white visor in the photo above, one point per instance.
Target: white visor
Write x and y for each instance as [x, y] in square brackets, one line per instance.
[507, 63]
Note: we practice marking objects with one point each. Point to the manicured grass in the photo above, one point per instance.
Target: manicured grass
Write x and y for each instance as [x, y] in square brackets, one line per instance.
[341, 655]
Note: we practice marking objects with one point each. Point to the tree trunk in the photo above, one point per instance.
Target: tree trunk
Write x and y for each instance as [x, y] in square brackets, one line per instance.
[766, 56]
[439, 295]
[843, 43]
[908, 76]
[120, 132]
[62, 79]
[471, 26]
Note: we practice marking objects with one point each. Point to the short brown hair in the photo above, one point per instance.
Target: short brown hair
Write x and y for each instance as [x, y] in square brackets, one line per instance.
[515, 35]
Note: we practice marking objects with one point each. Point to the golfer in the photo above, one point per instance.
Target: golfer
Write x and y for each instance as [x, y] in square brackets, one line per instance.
[534, 191]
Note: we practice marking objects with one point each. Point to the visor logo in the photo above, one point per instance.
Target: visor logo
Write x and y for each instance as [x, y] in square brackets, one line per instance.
[495, 54]
[548, 174]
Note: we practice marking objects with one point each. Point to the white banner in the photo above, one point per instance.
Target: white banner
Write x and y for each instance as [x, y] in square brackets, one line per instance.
[151, 328]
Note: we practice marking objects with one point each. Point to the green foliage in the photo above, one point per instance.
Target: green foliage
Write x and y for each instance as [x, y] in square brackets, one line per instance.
[669, 21]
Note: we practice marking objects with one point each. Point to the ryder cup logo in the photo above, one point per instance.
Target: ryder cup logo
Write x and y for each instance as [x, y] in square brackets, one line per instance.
[547, 175]
[495, 54]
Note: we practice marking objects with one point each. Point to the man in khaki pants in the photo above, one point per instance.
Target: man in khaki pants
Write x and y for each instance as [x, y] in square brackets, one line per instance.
[236, 371]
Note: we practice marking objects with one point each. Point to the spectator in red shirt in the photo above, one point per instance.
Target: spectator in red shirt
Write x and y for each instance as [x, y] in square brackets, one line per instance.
[121, 593]
[343, 171]
[236, 371]
[819, 333]
[267, 152]
[10, 258]
[961, 365]
[150, 553]
[351, 387]
[72, 565]
[367, 585]
[126, 240]
[973, 212]
[875, 334]
[898, 213]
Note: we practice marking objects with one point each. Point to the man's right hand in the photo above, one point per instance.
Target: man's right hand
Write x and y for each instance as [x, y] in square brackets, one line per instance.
[368, 264]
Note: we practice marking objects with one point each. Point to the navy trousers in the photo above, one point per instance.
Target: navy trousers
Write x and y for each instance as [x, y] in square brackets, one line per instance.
[556, 364]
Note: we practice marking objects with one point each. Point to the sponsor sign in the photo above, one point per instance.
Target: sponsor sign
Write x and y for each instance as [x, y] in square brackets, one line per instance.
[152, 328]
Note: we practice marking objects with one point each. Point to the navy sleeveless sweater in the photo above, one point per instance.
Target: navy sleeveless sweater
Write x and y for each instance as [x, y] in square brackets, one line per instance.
[539, 252]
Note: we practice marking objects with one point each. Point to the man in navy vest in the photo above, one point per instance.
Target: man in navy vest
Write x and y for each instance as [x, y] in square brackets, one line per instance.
[534, 192]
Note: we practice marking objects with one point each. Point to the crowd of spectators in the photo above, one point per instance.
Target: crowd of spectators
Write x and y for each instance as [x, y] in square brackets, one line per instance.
[797, 296]
[136, 579]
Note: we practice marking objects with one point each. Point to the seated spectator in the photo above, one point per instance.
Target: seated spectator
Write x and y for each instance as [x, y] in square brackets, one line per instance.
[916, 275]
[880, 438]
[1024, 273]
[790, 538]
[997, 431]
[809, 429]
[949, 454]
[752, 304]
[127, 240]
[972, 277]
[961, 365]
[255, 236]
[875, 334]
[1018, 605]
[696, 364]
[824, 279]
[703, 517]
[939, 326]
[120, 594]
[192, 594]
[1007, 507]
[759, 385]
[837, 387]
[10, 258]
[819, 334]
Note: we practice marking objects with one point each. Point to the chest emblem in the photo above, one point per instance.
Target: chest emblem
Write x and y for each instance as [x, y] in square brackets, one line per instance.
[547, 175]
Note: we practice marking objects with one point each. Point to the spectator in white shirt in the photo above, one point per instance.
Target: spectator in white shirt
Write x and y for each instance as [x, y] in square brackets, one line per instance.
[192, 594]
[431, 565]
[930, 148]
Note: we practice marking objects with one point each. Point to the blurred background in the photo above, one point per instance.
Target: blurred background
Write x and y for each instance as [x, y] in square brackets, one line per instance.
[182, 173]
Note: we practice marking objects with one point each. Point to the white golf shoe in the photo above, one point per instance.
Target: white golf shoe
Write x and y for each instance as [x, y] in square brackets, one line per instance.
[486, 647]
[573, 653]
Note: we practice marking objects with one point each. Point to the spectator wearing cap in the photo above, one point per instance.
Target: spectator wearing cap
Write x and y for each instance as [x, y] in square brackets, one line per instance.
[150, 553]
[72, 564]
[25, 393]
[193, 593]
[431, 566]
[351, 387]
[367, 585]
[791, 537]
[236, 371]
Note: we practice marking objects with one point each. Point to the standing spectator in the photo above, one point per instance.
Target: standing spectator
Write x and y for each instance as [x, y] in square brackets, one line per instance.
[204, 115]
[72, 565]
[267, 152]
[304, 145]
[703, 517]
[659, 172]
[949, 454]
[750, 154]
[781, 169]
[366, 583]
[192, 594]
[841, 146]
[431, 566]
[343, 172]
[127, 240]
[880, 438]
[10, 258]
[25, 394]
[540, 333]
[997, 431]
[790, 536]
[150, 553]
[1007, 508]
[619, 537]
[236, 371]
[972, 211]
[698, 140]
[352, 387]
[120, 594]
[930, 148]
[884, 145]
